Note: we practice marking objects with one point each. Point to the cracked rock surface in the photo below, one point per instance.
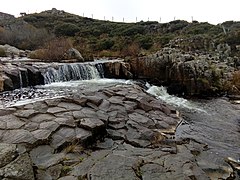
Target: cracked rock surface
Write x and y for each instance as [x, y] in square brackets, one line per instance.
[119, 132]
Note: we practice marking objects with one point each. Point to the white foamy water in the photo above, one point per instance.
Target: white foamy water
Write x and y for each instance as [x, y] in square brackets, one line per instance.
[56, 90]
[161, 93]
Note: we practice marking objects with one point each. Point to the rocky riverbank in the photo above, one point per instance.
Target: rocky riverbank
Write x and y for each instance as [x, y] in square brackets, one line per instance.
[115, 133]
[191, 73]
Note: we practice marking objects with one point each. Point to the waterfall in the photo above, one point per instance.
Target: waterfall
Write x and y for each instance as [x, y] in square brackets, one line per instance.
[20, 80]
[75, 71]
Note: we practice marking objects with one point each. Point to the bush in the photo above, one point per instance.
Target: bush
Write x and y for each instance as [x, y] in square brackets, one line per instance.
[66, 29]
[2, 52]
[145, 42]
[105, 44]
[236, 79]
[54, 50]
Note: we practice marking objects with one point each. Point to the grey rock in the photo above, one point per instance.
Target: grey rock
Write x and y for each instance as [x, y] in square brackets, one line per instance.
[142, 120]
[39, 107]
[103, 116]
[75, 54]
[118, 167]
[106, 144]
[10, 122]
[94, 99]
[138, 139]
[116, 99]
[104, 105]
[53, 110]
[54, 171]
[53, 102]
[64, 114]
[18, 136]
[41, 134]
[62, 136]
[70, 106]
[68, 178]
[117, 134]
[91, 123]
[67, 121]
[43, 157]
[83, 168]
[42, 117]
[31, 126]
[26, 113]
[7, 153]
[51, 125]
[153, 171]
[82, 134]
[20, 168]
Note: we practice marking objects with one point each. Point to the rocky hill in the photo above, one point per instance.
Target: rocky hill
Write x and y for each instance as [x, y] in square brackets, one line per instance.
[106, 38]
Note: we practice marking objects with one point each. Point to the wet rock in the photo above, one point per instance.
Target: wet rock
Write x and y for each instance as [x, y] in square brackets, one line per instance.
[20, 168]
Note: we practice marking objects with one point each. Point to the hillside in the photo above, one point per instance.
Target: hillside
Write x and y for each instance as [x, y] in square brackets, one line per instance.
[104, 38]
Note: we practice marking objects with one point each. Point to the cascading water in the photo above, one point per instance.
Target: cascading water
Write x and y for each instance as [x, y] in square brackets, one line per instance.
[161, 93]
[20, 80]
[75, 71]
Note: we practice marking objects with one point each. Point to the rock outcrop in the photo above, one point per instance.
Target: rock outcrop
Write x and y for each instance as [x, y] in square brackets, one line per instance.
[116, 133]
[17, 75]
[11, 51]
[188, 73]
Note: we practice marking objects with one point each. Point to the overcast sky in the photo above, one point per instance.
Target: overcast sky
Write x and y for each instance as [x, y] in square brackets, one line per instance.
[212, 11]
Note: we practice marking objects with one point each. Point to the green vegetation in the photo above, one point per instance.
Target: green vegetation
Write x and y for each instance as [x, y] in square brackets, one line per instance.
[104, 38]
[2, 52]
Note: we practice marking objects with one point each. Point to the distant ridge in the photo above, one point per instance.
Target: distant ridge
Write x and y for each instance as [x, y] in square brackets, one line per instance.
[5, 16]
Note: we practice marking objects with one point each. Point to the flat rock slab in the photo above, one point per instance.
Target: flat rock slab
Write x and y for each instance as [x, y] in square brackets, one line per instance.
[55, 133]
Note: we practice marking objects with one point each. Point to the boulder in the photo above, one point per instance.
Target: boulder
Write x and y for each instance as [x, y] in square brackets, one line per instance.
[73, 53]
